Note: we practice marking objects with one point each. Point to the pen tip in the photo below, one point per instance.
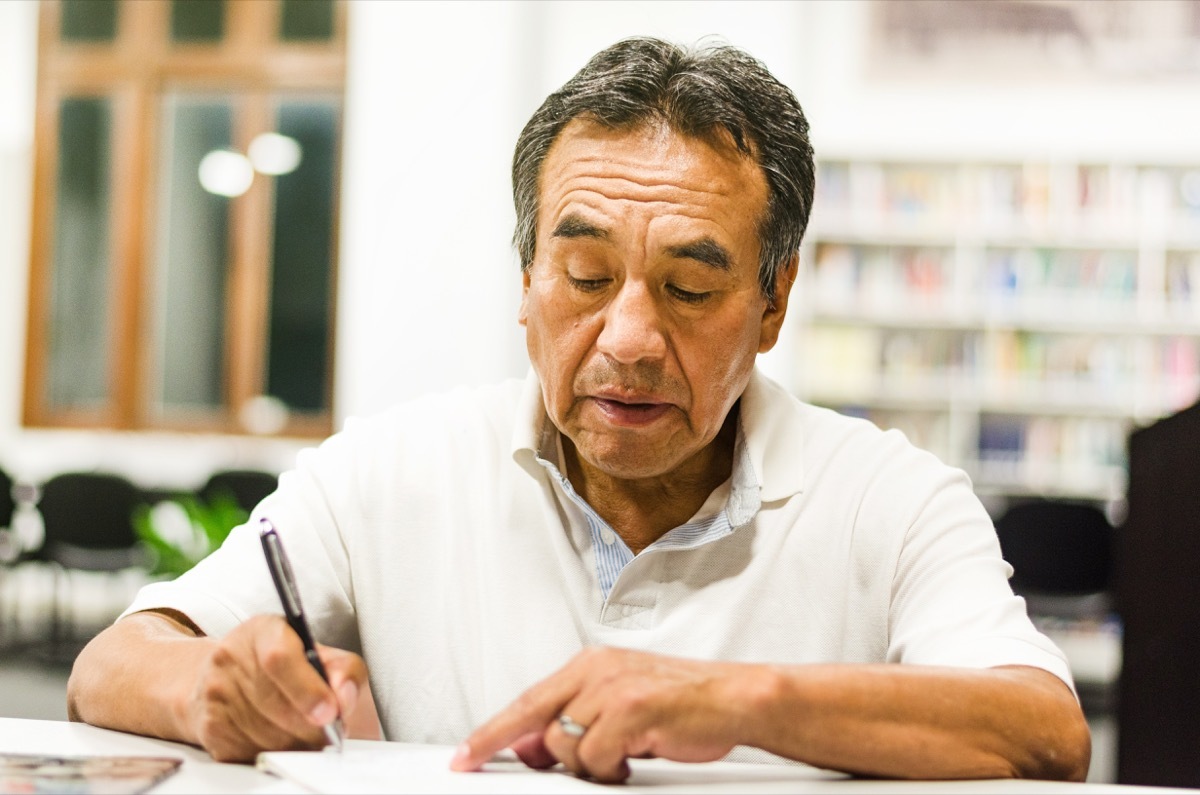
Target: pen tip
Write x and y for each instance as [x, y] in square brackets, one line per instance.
[335, 733]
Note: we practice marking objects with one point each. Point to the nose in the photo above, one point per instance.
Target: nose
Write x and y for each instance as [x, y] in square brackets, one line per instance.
[633, 329]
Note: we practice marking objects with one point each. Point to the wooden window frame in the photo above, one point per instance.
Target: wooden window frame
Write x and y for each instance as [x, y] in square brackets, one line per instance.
[137, 70]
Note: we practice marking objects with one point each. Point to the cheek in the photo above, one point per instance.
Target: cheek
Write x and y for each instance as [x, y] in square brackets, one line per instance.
[720, 359]
[554, 337]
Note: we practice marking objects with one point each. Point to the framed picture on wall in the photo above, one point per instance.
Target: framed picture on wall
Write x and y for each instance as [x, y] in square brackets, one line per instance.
[1020, 40]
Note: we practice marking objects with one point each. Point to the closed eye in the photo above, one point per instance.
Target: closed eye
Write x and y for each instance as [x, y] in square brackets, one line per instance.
[587, 285]
[687, 296]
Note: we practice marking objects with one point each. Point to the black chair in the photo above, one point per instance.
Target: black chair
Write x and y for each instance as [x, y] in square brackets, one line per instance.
[8, 503]
[246, 486]
[1061, 554]
[1056, 548]
[10, 547]
[88, 527]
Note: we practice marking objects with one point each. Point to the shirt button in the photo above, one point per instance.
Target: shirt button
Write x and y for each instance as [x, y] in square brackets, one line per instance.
[608, 536]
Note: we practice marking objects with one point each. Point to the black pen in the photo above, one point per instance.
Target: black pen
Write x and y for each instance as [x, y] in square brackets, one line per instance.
[285, 584]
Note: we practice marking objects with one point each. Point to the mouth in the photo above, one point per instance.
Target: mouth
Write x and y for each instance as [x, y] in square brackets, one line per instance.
[628, 412]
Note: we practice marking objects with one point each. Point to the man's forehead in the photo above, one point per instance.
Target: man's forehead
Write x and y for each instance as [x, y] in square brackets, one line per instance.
[585, 144]
[602, 184]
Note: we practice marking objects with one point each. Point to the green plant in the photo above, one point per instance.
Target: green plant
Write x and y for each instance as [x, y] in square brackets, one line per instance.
[182, 531]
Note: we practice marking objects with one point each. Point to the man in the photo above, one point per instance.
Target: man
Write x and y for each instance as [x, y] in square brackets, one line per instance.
[647, 548]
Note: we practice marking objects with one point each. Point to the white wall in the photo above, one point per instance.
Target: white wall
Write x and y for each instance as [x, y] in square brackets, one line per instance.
[430, 284]
[436, 95]
[429, 287]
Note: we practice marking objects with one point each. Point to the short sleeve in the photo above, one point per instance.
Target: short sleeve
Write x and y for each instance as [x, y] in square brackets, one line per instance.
[310, 509]
[951, 601]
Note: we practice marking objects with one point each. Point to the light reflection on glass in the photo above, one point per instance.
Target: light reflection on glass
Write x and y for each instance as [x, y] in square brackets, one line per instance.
[274, 154]
[226, 173]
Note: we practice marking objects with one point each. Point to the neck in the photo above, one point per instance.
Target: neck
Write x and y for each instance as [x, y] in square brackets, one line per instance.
[642, 510]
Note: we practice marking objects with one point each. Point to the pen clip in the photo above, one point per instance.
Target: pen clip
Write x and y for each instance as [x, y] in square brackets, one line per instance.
[281, 569]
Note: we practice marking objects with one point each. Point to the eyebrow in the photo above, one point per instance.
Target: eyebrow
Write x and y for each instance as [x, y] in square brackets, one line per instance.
[706, 251]
[574, 226]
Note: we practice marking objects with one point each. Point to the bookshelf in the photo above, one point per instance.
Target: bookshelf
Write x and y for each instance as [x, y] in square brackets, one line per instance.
[1015, 318]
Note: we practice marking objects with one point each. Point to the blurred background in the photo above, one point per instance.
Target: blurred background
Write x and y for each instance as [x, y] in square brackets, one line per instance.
[226, 226]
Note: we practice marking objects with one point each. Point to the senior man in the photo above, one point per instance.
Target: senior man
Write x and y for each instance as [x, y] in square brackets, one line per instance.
[644, 549]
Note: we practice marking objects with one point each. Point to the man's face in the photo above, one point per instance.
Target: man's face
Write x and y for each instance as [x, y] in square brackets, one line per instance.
[642, 307]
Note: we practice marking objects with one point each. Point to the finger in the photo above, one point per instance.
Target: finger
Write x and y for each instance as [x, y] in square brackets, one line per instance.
[564, 746]
[271, 724]
[532, 712]
[216, 725]
[232, 713]
[347, 677]
[231, 744]
[272, 718]
[236, 699]
[601, 752]
[531, 750]
[609, 764]
[280, 655]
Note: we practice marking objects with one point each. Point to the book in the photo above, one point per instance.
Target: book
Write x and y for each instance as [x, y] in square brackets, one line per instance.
[83, 775]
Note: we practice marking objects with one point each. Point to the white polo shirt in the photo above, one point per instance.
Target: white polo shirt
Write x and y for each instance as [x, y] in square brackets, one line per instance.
[432, 539]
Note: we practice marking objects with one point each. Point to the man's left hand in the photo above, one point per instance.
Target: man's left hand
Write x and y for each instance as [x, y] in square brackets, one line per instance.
[627, 704]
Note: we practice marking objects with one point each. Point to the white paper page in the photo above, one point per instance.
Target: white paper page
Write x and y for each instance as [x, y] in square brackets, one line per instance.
[373, 768]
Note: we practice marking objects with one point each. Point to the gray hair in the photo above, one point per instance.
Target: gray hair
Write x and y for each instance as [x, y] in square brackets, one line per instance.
[701, 92]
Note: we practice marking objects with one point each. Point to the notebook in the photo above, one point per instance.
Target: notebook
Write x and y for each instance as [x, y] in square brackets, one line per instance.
[373, 768]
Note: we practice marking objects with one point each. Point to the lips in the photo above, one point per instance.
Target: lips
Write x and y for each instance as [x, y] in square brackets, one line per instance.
[632, 414]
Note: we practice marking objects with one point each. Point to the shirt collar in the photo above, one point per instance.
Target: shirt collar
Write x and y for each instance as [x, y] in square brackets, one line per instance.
[768, 454]
[530, 425]
[774, 436]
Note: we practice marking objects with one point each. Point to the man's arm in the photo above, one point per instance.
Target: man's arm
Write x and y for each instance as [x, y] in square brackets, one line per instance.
[155, 673]
[895, 721]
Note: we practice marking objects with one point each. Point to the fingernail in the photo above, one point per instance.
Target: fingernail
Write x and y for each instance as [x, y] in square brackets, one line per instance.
[348, 695]
[323, 713]
[461, 754]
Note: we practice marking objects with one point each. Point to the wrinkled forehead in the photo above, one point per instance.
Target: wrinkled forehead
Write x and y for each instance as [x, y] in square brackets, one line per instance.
[589, 146]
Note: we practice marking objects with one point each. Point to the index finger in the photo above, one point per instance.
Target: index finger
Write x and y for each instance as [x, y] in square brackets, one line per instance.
[531, 712]
[280, 653]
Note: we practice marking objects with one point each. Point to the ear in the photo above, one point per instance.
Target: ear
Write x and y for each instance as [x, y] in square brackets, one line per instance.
[773, 315]
[523, 311]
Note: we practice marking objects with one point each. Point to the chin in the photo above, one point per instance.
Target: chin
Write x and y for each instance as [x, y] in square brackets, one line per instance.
[629, 464]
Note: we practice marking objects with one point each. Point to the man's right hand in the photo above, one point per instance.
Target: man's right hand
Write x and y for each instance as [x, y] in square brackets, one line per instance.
[250, 691]
[256, 691]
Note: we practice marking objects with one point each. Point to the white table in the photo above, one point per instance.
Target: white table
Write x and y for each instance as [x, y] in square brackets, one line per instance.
[200, 773]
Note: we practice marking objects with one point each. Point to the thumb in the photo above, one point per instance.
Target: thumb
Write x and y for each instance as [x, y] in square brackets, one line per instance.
[349, 681]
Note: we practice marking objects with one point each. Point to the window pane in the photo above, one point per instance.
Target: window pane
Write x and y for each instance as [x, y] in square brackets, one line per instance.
[197, 20]
[89, 20]
[306, 20]
[302, 259]
[193, 256]
[79, 328]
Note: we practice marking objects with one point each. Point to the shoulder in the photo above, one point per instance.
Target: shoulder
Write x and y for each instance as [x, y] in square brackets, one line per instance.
[444, 416]
[802, 448]
[455, 431]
